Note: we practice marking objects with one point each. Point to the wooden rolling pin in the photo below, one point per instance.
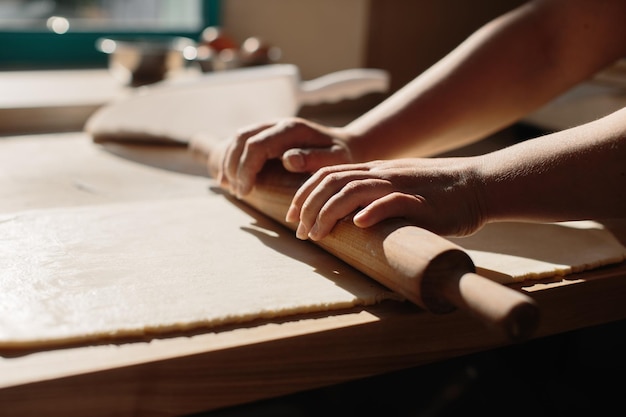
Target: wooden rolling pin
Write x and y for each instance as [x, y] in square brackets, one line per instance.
[423, 267]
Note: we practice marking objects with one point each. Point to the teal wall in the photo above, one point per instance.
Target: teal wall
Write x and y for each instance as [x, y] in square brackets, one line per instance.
[44, 49]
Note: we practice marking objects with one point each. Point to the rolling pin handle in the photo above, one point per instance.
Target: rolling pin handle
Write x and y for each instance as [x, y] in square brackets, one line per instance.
[513, 313]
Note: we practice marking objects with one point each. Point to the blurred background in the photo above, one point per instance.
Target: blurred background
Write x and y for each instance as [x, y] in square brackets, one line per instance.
[403, 36]
[38, 34]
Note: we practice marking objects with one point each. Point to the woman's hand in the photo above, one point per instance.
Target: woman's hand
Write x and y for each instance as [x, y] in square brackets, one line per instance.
[441, 195]
[302, 145]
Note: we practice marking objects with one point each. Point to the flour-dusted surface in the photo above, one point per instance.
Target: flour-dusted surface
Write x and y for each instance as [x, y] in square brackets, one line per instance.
[42, 171]
[79, 274]
[515, 251]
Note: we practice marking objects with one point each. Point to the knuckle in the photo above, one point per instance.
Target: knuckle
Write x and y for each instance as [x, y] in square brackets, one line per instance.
[336, 182]
[333, 178]
[326, 175]
[289, 123]
[356, 187]
[324, 215]
[254, 143]
[256, 149]
[242, 134]
[400, 197]
[299, 127]
[306, 207]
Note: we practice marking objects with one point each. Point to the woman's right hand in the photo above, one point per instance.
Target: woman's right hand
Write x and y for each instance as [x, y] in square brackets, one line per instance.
[443, 195]
[303, 146]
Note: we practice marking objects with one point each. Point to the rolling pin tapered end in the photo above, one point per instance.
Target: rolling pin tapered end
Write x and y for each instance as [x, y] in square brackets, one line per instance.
[510, 312]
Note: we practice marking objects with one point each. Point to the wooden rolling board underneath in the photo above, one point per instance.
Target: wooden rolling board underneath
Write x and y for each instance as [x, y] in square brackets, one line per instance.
[188, 374]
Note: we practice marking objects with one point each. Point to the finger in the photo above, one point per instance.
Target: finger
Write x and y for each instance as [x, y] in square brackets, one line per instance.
[336, 183]
[272, 143]
[312, 159]
[216, 166]
[413, 208]
[392, 205]
[293, 213]
[302, 202]
[224, 176]
[232, 154]
[356, 194]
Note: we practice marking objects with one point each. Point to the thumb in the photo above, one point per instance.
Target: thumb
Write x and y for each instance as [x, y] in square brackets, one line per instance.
[312, 159]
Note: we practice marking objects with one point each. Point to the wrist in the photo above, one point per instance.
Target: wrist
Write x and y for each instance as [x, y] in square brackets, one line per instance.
[478, 181]
[354, 142]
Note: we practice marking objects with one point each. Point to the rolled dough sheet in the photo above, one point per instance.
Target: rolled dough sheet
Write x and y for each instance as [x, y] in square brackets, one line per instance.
[120, 270]
[514, 251]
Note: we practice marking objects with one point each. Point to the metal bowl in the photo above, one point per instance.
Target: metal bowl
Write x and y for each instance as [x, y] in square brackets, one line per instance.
[139, 61]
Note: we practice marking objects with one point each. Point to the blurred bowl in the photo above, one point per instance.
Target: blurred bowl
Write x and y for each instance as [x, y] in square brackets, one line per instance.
[253, 52]
[139, 61]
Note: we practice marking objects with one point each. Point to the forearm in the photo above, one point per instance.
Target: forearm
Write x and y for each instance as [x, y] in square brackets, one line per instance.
[575, 174]
[505, 70]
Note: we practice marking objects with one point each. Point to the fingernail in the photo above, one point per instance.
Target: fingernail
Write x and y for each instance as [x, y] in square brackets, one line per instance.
[314, 232]
[295, 160]
[292, 214]
[241, 188]
[301, 232]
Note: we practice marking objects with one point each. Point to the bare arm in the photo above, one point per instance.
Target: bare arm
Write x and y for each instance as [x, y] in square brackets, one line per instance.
[506, 69]
[575, 174]
[578, 173]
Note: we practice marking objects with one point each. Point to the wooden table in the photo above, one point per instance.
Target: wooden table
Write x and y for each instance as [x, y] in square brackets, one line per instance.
[192, 372]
